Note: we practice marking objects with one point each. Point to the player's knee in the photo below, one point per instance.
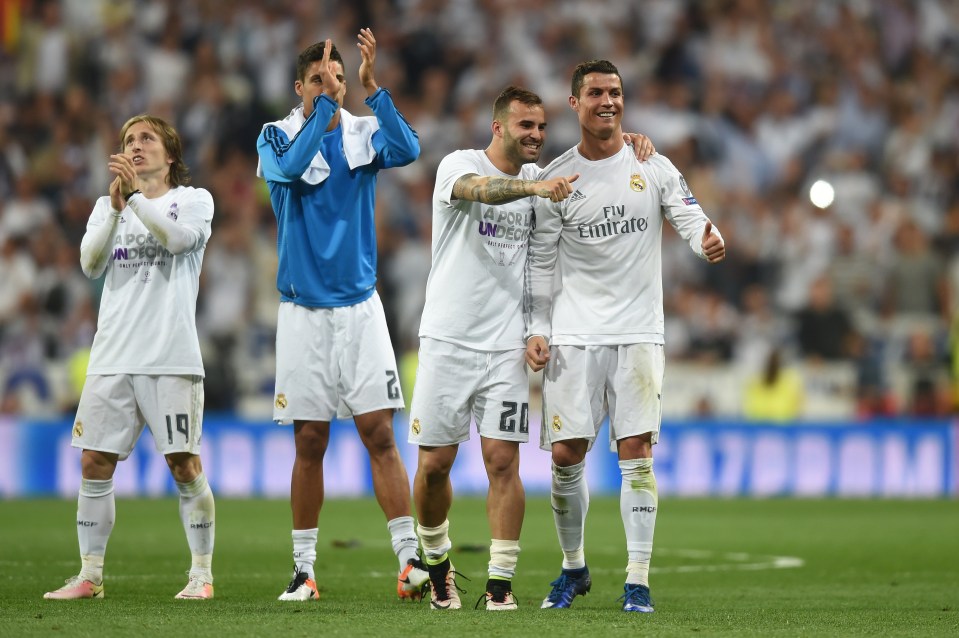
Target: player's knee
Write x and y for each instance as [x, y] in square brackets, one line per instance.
[567, 454]
[380, 441]
[635, 447]
[185, 467]
[501, 464]
[97, 466]
[311, 443]
[435, 469]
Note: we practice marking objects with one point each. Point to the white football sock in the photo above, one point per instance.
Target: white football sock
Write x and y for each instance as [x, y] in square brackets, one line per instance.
[198, 513]
[405, 542]
[503, 555]
[569, 498]
[638, 502]
[96, 513]
[436, 542]
[304, 550]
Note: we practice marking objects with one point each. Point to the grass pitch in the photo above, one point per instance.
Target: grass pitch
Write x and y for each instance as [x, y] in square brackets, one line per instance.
[720, 567]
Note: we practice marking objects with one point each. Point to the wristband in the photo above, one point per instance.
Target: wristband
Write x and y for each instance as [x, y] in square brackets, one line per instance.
[131, 194]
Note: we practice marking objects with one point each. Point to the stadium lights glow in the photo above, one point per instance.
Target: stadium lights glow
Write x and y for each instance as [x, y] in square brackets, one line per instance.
[821, 193]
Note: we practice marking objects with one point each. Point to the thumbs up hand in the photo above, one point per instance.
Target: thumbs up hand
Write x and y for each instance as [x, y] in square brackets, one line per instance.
[714, 248]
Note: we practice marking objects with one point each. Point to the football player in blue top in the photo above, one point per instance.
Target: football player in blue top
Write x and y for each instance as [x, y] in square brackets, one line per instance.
[333, 352]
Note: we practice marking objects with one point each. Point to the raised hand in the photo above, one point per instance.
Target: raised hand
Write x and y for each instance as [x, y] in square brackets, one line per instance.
[556, 189]
[537, 353]
[642, 145]
[331, 84]
[714, 248]
[367, 46]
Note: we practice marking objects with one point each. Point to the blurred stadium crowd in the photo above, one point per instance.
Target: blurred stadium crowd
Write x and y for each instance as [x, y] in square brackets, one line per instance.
[834, 312]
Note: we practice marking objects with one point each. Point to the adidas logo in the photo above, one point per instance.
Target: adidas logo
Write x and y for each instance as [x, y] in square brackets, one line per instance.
[577, 196]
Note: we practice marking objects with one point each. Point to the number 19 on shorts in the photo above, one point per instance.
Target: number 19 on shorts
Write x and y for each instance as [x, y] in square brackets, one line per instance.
[182, 427]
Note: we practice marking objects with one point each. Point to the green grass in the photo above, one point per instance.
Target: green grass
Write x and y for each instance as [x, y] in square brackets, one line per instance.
[869, 568]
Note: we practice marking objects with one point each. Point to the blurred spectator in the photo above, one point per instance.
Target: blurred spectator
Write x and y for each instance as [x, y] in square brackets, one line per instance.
[929, 390]
[774, 395]
[26, 212]
[46, 44]
[854, 277]
[874, 397]
[824, 328]
[914, 281]
[17, 272]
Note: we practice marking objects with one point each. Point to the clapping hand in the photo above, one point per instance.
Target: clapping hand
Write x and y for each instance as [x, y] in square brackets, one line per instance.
[367, 46]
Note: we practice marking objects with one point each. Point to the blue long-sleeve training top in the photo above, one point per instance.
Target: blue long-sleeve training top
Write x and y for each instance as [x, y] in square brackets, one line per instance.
[326, 232]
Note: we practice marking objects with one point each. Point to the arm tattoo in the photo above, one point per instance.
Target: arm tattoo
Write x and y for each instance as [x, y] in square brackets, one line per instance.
[491, 190]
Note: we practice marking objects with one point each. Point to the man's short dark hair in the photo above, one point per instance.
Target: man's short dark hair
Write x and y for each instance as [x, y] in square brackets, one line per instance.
[314, 53]
[593, 66]
[513, 94]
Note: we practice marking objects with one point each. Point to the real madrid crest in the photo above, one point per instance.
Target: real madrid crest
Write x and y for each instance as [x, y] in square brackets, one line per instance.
[557, 424]
[637, 183]
[78, 429]
[280, 401]
[415, 426]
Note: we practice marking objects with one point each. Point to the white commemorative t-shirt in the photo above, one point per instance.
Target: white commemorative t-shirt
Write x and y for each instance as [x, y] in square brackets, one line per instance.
[604, 243]
[147, 319]
[474, 294]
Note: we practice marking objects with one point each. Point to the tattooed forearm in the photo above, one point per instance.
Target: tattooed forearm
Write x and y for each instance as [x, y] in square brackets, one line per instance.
[491, 190]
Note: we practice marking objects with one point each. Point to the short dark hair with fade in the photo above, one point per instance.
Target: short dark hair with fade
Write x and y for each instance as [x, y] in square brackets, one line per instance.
[593, 66]
[314, 53]
[513, 94]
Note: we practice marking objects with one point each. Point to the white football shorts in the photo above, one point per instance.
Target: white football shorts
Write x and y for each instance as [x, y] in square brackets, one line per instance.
[582, 383]
[114, 408]
[334, 362]
[455, 384]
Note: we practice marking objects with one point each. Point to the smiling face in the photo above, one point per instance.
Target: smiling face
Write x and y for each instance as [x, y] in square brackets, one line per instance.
[144, 145]
[524, 132]
[599, 105]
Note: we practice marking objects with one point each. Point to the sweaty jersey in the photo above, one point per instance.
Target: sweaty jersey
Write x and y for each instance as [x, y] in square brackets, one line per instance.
[603, 244]
[322, 187]
[474, 294]
[147, 318]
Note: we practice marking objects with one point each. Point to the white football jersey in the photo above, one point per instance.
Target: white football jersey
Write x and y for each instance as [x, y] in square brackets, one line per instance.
[147, 319]
[474, 294]
[595, 258]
